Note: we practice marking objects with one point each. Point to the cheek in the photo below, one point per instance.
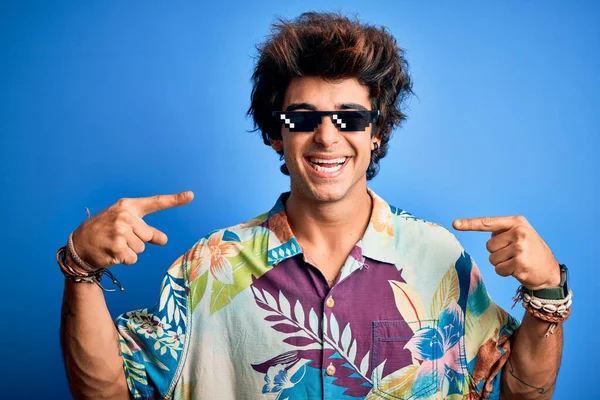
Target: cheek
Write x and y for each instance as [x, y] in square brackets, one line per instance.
[363, 149]
[364, 155]
[291, 148]
[285, 142]
[295, 143]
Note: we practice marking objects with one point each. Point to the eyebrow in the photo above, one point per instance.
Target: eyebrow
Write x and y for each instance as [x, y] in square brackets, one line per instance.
[307, 106]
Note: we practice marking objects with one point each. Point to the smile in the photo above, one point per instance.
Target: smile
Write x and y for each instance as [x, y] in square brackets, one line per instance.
[327, 167]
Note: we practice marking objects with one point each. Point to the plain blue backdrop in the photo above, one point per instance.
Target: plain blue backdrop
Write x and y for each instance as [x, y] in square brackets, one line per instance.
[102, 100]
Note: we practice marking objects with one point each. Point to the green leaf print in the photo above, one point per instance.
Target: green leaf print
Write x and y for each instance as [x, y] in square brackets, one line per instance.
[197, 289]
[251, 261]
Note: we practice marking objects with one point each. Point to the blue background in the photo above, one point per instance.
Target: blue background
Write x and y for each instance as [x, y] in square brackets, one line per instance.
[101, 100]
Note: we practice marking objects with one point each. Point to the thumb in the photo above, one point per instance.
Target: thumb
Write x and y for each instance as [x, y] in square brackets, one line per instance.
[158, 237]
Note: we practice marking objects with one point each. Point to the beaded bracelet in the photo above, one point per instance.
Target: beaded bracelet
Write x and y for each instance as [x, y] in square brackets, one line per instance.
[553, 311]
[91, 277]
[552, 307]
[75, 256]
[548, 318]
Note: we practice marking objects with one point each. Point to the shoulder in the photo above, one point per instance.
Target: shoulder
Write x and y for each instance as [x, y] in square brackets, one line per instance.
[242, 231]
[428, 253]
[417, 234]
[220, 245]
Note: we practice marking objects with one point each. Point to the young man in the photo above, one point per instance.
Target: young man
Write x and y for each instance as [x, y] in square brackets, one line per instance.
[332, 294]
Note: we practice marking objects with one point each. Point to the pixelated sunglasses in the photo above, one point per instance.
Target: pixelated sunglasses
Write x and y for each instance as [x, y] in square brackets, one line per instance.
[307, 121]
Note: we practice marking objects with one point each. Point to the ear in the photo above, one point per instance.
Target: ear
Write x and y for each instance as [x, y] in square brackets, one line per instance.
[373, 141]
[276, 144]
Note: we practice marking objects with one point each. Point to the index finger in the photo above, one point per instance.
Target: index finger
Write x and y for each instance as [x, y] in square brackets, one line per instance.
[147, 205]
[484, 224]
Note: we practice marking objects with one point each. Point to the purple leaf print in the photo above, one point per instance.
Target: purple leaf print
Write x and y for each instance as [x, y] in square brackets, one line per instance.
[282, 313]
[299, 341]
[289, 358]
[305, 332]
[287, 328]
[275, 318]
[264, 305]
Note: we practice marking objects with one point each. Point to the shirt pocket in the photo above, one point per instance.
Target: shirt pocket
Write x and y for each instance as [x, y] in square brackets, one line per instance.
[389, 342]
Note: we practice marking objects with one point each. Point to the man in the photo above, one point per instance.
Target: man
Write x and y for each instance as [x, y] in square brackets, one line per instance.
[333, 293]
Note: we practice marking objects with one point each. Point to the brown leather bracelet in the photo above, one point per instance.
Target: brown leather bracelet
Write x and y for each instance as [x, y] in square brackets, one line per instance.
[92, 277]
[546, 317]
[554, 321]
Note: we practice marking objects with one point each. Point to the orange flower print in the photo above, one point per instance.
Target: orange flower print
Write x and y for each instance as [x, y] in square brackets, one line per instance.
[213, 255]
[381, 217]
[175, 268]
[252, 223]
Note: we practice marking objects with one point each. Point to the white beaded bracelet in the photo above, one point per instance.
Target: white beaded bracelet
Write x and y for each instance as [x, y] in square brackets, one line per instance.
[559, 307]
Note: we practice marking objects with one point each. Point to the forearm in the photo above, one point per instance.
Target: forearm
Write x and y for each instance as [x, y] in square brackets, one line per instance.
[90, 344]
[532, 367]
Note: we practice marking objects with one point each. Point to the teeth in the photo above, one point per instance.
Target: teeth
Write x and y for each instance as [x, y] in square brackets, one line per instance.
[327, 169]
[340, 160]
[332, 165]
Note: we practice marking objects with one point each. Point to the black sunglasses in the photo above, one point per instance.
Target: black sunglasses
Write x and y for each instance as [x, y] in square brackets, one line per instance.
[307, 121]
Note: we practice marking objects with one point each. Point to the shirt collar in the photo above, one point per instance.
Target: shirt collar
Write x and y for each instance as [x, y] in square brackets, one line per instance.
[377, 242]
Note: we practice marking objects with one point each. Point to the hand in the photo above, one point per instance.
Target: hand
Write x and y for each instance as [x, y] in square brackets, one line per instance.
[516, 249]
[117, 234]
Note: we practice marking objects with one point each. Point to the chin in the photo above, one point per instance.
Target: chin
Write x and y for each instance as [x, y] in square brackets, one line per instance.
[323, 190]
[328, 195]
[326, 192]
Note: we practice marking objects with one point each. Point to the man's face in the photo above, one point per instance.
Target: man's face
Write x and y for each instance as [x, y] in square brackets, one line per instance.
[326, 164]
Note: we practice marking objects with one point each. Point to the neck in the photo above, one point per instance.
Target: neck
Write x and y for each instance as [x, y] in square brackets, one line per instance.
[330, 224]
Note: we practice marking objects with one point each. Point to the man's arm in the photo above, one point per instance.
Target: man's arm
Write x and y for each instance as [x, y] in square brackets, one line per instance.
[532, 367]
[517, 250]
[90, 344]
[89, 338]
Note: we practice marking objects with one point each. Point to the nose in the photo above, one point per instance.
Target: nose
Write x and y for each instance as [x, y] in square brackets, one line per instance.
[326, 133]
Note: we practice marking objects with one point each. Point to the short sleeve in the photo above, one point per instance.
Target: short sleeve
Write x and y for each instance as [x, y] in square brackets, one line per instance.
[488, 329]
[152, 340]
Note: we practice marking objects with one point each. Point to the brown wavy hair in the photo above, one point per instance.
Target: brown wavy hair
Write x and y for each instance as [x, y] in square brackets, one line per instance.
[334, 47]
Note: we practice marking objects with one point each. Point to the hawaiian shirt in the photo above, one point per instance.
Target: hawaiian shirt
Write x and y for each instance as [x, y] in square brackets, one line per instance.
[244, 315]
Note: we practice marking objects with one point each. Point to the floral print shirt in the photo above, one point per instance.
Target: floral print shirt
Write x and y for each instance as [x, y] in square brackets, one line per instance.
[244, 315]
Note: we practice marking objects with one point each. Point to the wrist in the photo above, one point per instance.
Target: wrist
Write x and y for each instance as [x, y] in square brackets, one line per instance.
[74, 265]
[556, 290]
[554, 279]
[76, 260]
[556, 276]
[88, 277]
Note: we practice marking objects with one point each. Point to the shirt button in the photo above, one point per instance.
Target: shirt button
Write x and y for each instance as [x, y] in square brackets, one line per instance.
[330, 370]
[330, 302]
